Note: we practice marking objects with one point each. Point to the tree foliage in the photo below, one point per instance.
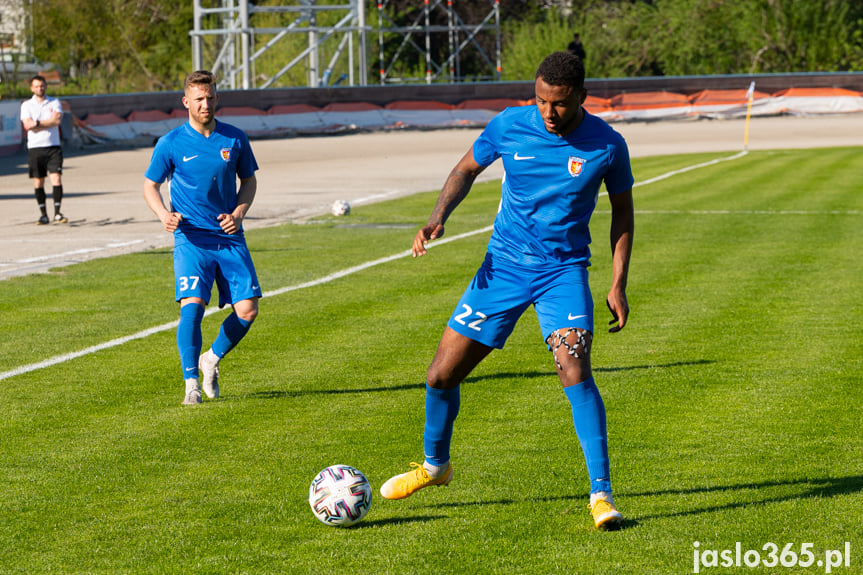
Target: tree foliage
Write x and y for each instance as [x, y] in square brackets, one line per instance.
[115, 45]
[144, 45]
[476, 56]
[694, 37]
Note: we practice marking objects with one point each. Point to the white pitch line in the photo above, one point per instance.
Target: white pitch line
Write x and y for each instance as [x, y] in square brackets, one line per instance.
[367, 265]
[214, 309]
[667, 175]
[320, 281]
[378, 197]
[93, 349]
[78, 252]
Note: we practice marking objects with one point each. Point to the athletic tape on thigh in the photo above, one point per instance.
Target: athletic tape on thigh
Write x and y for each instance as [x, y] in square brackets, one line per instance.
[556, 340]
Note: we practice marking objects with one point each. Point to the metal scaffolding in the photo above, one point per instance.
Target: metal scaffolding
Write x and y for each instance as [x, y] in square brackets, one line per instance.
[459, 35]
[255, 46]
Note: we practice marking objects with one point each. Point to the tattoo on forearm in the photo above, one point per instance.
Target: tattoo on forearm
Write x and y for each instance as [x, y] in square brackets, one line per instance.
[454, 190]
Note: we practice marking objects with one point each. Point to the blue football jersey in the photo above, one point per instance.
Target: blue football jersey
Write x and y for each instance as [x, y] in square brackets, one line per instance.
[550, 185]
[202, 173]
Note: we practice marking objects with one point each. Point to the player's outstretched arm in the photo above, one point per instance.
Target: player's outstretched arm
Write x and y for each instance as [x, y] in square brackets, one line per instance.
[424, 235]
[622, 231]
[454, 190]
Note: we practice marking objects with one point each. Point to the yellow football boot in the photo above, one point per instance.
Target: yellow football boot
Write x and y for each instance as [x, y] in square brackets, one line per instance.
[407, 484]
[605, 516]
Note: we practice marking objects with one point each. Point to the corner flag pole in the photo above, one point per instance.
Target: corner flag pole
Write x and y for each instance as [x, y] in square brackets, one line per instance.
[750, 95]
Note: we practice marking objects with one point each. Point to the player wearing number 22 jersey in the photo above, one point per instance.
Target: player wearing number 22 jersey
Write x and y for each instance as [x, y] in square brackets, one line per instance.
[203, 159]
[548, 194]
[556, 157]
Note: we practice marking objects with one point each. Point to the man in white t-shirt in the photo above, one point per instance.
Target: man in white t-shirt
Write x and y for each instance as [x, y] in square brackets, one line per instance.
[41, 116]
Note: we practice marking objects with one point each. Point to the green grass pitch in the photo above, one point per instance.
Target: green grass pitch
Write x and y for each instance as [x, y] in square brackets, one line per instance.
[733, 396]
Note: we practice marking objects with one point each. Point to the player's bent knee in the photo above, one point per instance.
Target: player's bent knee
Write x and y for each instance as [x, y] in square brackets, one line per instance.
[571, 348]
[438, 380]
[248, 316]
[247, 310]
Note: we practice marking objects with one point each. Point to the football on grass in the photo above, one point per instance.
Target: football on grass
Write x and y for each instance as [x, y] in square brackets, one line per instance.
[340, 495]
[341, 208]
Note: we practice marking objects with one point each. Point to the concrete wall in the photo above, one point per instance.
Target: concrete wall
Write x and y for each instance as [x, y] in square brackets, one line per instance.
[122, 104]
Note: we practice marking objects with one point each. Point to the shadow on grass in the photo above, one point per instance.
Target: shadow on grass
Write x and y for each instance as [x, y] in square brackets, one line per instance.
[552, 373]
[66, 195]
[818, 488]
[278, 394]
[283, 394]
[396, 521]
[654, 366]
[577, 506]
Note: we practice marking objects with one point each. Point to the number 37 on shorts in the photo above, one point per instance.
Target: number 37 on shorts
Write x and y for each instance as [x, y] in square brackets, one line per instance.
[186, 283]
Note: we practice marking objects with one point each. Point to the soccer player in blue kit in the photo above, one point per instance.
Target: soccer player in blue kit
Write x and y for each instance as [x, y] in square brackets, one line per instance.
[555, 156]
[203, 159]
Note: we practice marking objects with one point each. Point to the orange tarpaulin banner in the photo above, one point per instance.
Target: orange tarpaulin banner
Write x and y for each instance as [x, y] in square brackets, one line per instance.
[340, 117]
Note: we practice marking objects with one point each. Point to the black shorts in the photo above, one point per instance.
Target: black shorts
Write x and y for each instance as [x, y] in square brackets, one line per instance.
[44, 161]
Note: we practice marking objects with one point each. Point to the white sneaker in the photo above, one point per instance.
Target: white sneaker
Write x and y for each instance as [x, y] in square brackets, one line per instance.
[208, 364]
[193, 392]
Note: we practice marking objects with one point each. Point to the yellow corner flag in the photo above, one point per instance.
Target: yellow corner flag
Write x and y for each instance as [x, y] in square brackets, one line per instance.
[750, 95]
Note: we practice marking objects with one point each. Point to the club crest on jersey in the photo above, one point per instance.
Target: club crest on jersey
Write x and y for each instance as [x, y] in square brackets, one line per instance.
[575, 165]
[226, 154]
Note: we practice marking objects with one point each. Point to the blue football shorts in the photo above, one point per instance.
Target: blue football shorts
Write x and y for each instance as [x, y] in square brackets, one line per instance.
[500, 293]
[198, 265]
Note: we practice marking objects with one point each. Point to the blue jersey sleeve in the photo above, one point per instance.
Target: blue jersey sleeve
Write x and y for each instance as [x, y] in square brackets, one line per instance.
[618, 178]
[246, 163]
[161, 163]
[485, 148]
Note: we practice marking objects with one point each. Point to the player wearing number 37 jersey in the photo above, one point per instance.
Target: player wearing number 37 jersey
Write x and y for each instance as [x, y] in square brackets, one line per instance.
[202, 160]
[555, 157]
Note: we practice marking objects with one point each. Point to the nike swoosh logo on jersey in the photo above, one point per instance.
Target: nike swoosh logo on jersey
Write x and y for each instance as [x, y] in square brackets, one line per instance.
[185, 159]
[572, 317]
[517, 157]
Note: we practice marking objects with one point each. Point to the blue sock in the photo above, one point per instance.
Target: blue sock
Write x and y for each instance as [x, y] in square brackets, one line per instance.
[189, 339]
[232, 331]
[588, 415]
[441, 410]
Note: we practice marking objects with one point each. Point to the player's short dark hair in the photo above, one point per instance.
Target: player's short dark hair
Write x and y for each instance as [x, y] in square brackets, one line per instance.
[39, 77]
[562, 69]
[200, 77]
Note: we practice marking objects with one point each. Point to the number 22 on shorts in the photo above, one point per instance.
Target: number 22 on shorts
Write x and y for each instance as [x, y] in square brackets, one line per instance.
[462, 317]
